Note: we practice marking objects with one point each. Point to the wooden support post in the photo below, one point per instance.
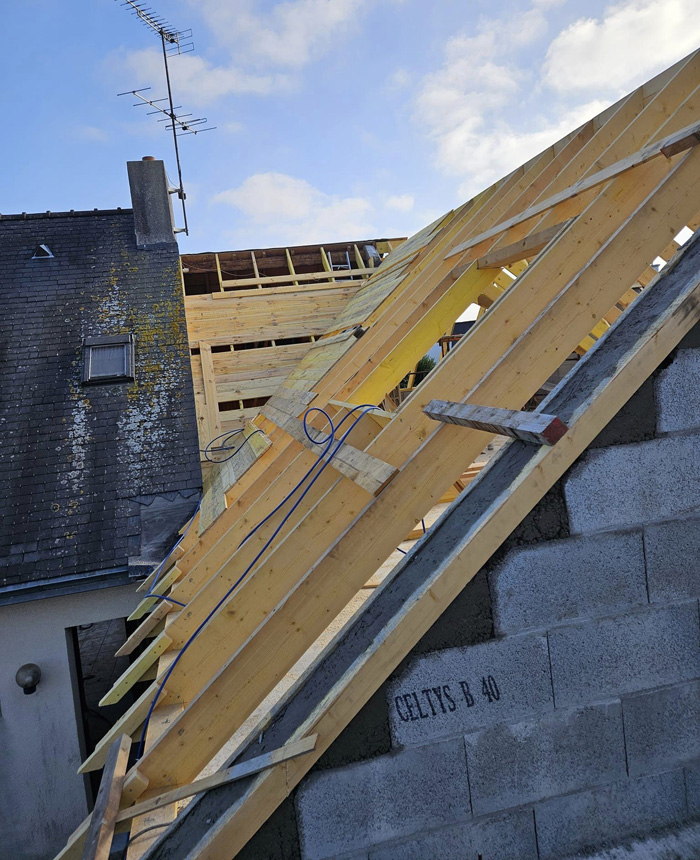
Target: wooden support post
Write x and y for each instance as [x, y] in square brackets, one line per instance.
[104, 816]
[527, 426]
[256, 279]
[290, 266]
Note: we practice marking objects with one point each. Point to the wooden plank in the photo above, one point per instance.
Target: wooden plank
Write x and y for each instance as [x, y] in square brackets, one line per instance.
[379, 415]
[133, 674]
[366, 471]
[145, 629]
[210, 397]
[173, 574]
[291, 402]
[688, 137]
[681, 144]
[533, 427]
[232, 774]
[98, 841]
[305, 277]
[346, 288]
[527, 247]
[290, 265]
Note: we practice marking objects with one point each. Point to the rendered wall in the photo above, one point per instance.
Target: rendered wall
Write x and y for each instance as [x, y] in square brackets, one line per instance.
[43, 797]
[556, 706]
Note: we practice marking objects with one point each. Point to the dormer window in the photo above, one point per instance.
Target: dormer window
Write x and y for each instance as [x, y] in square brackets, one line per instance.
[108, 359]
[42, 252]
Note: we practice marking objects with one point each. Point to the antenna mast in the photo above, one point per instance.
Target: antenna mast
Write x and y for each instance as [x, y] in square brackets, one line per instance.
[172, 42]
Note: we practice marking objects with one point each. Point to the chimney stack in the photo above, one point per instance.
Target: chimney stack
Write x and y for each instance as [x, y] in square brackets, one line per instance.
[150, 200]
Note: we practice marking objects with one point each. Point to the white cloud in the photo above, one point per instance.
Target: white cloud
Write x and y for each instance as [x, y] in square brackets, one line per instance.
[400, 202]
[461, 103]
[290, 34]
[619, 50]
[399, 79]
[488, 110]
[264, 49]
[283, 209]
[197, 81]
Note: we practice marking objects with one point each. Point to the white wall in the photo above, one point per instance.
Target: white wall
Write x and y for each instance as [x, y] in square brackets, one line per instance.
[42, 798]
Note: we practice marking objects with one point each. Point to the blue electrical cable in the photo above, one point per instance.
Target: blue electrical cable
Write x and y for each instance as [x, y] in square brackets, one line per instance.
[328, 443]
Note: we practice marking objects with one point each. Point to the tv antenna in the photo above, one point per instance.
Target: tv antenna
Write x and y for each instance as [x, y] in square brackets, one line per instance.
[172, 42]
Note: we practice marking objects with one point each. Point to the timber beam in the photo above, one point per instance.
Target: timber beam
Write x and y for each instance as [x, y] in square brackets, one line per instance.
[533, 427]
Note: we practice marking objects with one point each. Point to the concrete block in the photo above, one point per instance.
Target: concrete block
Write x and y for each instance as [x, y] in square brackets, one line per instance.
[628, 485]
[673, 560]
[541, 585]
[375, 801]
[607, 657]
[692, 786]
[682, 843]
[607, 815]
[522, 763]
[457, 690]
[502, 837]
[678, 393]
[662, 728]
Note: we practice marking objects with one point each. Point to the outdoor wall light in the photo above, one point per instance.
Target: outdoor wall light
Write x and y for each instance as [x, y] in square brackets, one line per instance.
[28, 676]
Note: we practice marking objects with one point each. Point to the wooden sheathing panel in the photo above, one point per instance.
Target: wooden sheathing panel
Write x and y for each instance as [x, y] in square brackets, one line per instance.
[311, 571]
[255, 372]
[259, 317]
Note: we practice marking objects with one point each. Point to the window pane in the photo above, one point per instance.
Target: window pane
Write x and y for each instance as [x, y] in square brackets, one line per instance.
[107, 361]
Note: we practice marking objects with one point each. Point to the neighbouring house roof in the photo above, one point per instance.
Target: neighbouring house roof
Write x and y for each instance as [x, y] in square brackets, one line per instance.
[82, 464]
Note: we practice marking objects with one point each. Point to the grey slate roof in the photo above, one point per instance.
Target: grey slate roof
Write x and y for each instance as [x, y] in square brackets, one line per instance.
[98, 477]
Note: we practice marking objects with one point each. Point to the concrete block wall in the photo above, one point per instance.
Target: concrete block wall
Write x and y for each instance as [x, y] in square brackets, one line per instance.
[555, 707]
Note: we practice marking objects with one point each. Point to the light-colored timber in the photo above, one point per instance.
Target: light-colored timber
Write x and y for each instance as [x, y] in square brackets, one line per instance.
[561, 251]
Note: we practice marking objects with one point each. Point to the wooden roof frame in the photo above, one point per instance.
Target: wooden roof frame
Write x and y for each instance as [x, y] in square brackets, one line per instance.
[612, 195]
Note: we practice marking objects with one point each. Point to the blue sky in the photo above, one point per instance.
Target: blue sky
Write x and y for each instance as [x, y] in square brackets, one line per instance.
[336, 119]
